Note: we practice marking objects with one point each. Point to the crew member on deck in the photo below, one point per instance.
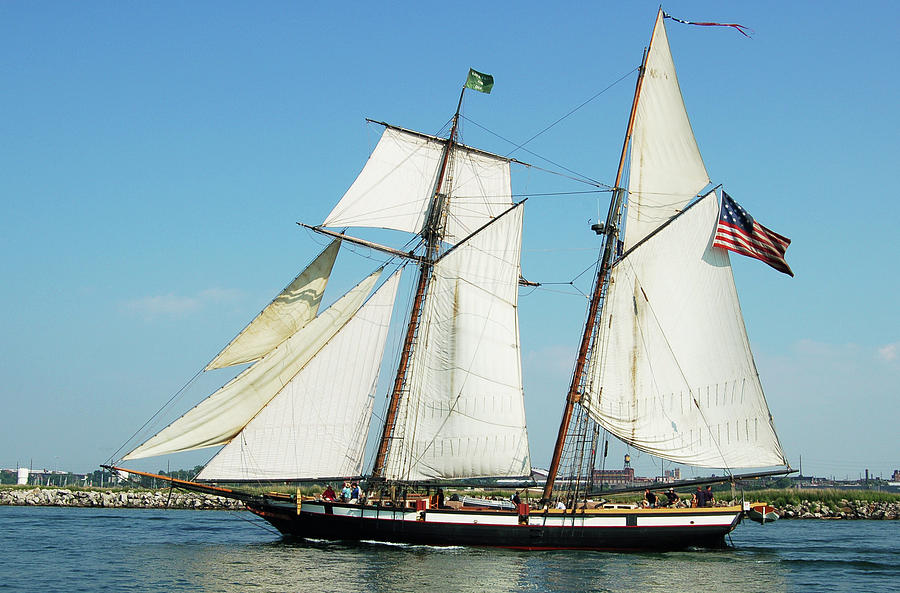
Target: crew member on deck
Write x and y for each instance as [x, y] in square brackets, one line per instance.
[671, 498]
[649, 498]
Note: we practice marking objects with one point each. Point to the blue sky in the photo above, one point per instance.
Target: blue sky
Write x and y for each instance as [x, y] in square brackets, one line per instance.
[157, 155]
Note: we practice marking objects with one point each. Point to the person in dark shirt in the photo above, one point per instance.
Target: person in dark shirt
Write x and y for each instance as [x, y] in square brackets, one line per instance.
[671, 498]
[515, 499]
[710, 499]
[701, 497]
[650, 498]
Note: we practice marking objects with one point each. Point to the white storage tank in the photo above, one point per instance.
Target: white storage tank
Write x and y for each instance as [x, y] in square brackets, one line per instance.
[23, 476]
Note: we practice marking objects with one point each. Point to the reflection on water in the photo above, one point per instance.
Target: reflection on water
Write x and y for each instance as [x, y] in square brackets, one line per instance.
[385, 569]
[46, 549]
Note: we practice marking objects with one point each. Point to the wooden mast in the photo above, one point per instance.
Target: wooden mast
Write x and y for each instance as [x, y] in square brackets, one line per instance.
[432, 233]
[611, 231]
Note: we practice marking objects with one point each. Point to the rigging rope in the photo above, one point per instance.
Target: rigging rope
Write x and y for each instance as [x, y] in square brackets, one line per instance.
[154, 417]
[623, 77]
[578, 176]
[521, 146]
[561, 193]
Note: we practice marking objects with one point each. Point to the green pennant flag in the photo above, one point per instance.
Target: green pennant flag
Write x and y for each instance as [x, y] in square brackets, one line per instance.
[479, 81]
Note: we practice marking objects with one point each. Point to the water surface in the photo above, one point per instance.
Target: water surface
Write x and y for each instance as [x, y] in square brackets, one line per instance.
[46, 549]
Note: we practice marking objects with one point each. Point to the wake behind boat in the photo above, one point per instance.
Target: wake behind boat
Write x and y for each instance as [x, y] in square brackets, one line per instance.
[664, 362]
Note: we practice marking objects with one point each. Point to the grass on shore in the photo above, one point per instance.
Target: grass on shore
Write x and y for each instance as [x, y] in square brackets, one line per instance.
[832, 496]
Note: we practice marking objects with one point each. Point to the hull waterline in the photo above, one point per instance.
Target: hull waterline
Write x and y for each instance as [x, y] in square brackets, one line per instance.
[602, 529]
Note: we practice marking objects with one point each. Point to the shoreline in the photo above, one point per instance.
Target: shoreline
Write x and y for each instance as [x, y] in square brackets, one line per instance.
[178, 499]
[115, 498]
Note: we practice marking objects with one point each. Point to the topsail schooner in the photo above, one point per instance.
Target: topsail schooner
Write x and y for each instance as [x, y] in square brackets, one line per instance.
[664, 362]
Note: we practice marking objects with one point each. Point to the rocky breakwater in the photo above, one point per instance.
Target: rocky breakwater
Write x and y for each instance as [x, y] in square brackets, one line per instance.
[845, 509]
[131, 499]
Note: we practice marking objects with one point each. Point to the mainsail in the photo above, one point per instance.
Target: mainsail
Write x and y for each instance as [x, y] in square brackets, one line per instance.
[316, 426]
[672, 373]
[220, 417]
[462, 414]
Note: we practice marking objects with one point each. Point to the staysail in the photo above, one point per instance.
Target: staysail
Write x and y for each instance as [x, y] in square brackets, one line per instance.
[395, 188]
[293, 308]
[221, 416]
[462, 415]
[316, 426]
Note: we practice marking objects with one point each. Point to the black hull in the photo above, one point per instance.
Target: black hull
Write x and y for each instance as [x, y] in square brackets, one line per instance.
[537, 535]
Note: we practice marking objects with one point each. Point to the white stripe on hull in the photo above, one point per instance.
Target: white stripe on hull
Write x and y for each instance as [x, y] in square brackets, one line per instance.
[643, 517]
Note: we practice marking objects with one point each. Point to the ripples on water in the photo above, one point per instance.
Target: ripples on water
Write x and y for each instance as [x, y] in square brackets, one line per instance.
[45, 549]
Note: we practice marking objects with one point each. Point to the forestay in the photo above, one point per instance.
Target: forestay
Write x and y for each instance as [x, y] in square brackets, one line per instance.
[221, 416]
[672, 372]
[316, 426]
[462, 414]
[396, 186]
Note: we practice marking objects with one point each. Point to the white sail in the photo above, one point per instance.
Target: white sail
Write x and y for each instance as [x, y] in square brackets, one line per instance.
[672, 372]
[221, 416]
[316, 426]
[666, 170]
[293, 308]
[481, 191]
[396, 186]
[462, 414]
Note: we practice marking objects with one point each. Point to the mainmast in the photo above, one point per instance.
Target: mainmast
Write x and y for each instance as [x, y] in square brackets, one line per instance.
[611, 232]
[433, 232]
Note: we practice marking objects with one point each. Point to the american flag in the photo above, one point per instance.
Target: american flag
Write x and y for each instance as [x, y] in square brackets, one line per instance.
[738, 232]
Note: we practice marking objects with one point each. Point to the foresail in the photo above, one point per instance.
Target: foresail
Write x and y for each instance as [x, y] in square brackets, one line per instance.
[316, 426]
[462, 414]
[221, 416]
[666, 170]
[396, 186]
[672, 372]
[293, 308]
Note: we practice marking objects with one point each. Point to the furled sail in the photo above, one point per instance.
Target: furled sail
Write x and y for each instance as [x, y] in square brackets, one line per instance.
[672, 372]
[666, 170]
[316, 426]
[462, 415]
[221, 416]
[293, 308]
[396, 186]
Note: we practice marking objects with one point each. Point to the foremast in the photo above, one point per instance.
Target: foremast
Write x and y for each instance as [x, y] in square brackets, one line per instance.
[433, 233]
[610, 231]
